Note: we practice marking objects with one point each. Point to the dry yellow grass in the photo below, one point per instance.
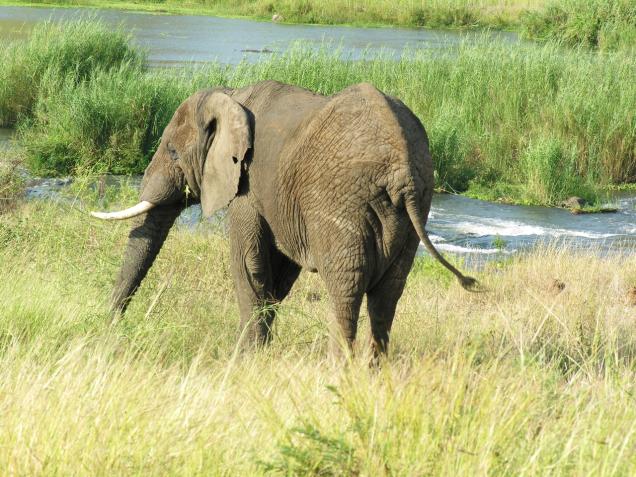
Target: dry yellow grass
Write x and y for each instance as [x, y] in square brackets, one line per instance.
[527, 379]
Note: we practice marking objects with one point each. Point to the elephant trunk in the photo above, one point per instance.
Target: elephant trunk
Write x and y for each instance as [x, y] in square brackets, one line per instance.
[148, 234]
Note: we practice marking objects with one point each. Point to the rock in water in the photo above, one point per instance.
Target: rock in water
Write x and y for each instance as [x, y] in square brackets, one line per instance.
[574, 203]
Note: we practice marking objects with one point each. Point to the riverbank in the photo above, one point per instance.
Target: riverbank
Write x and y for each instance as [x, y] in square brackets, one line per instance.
[528, 378]
[603, 24]
[404, 13]
[519, 123]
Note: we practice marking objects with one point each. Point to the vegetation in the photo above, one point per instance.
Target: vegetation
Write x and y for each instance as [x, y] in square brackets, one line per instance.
[73, 50]
[108, 124]
[533, 377]
[11, 183]
[408, 13]
[606, 24]
[531, 124]
[527, 378]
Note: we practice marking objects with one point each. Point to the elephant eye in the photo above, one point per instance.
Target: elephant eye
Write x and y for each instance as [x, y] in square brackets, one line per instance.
[173, 152]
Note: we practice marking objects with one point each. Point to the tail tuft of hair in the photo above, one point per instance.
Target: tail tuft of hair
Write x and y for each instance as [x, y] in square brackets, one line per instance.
[469, 283]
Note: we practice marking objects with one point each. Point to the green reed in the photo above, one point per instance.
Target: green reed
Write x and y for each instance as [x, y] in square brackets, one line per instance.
[521, 122]
[74, 50]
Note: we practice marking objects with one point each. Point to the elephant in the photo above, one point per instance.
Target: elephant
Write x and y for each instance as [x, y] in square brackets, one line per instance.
[340, 185]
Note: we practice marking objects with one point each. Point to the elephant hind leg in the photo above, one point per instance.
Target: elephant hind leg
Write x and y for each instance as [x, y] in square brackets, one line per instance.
[345, 273]
[383, 297]
[344, 323]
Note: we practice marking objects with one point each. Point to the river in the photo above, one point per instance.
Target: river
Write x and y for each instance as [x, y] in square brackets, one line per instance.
[477, 230]
[179, 39]
[474, 229]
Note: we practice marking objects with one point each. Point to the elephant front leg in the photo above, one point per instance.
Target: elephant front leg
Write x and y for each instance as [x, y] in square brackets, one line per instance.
[256, 307]
[251, 271]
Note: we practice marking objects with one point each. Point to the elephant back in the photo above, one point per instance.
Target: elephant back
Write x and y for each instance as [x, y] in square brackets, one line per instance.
[362, 142]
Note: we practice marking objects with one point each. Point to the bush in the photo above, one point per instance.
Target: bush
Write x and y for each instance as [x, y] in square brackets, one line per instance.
[452, 171]
[453, 16]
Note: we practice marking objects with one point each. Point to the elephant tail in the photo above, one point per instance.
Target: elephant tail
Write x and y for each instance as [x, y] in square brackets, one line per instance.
[413, 210]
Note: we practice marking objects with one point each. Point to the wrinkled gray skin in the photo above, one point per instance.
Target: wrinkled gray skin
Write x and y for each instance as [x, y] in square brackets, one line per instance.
[338, 185]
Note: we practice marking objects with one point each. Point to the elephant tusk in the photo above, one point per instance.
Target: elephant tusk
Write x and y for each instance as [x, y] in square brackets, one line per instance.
[135, 210]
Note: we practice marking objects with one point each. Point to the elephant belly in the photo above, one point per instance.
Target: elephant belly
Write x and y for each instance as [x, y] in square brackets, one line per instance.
[366, 238]
[298, 254]
[364, 235]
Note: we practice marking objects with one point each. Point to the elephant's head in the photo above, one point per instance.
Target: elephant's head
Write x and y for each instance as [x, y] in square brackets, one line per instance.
[203, 151]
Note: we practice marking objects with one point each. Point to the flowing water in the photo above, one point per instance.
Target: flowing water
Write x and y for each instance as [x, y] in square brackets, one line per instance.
[475, 229]
[177, 39]
[482, 230]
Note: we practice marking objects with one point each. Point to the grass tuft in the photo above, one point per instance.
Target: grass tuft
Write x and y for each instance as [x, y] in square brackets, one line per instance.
[11, 182]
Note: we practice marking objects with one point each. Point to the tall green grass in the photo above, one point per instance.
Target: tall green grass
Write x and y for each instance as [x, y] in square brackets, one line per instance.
[525, 123]
[73, 50]
[606, 24]
[522, 380]
[108, 124]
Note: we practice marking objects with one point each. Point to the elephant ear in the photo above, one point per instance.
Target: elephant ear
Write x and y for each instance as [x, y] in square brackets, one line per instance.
[226, 137]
